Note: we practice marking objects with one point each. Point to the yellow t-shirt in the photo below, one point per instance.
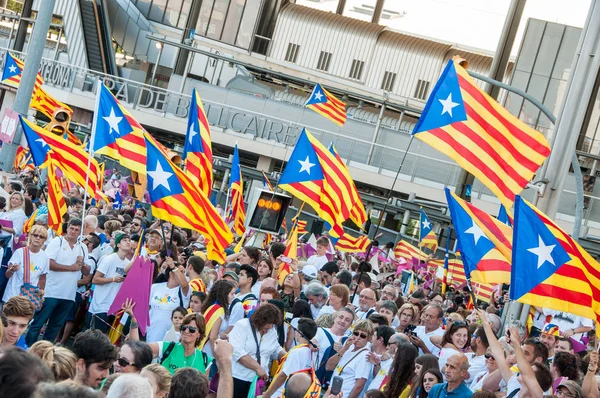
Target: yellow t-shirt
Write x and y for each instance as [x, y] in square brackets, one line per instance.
[406, 392]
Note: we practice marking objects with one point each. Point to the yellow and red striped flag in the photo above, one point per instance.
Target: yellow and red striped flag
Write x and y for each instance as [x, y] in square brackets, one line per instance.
[57, 207]
[266, 182]
[175, 198]
[349, 244]
[72, 160]
[30, 222]
[313, 175]
[358, 214]
[197, 151]
[236, 211]
[291, 251]
[408, 252]
[327, 105]
[211, 315]
[427, 237]
[117, 134]
[466, 124]
[47, 104]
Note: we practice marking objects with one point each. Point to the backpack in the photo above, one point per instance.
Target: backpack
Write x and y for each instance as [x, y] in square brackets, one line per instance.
[236, 300]
[322, 373]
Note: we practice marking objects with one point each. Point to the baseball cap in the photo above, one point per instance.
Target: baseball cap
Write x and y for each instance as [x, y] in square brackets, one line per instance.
[310, 271]
[232, 275]
[551, 329]
[154, 231]
[573, 388]
[119, 238]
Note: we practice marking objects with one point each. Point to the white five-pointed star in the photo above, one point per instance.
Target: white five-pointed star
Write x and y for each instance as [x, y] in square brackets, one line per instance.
[160, 177]
[426, 224]
[113, 121]
[318, 95]
[543, 252]
[12, 69]
[193, 133]
[42, 142]
[447, 105]
[306, 165]
[475, 231]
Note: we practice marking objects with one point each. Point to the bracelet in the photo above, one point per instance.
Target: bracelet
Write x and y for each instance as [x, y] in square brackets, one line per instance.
[134, 325]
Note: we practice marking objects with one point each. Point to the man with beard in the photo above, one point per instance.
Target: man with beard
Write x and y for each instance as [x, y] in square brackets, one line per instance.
[479, 345]
[95, 355]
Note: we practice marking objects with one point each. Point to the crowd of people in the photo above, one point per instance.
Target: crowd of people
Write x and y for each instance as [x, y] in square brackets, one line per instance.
[332, 327]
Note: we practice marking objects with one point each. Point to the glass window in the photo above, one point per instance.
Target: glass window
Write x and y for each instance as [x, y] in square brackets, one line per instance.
[172, 12]
[144, 7]
[204, 17]
[217, 19]
[157, 10]
[246, 30]
[234, 16]
[185, 12]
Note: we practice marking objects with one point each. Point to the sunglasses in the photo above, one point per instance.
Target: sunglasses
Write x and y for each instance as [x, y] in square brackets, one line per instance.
[192, 329]
[38, 236]
[123, 362]
[361, 335]
[488, 356]
[136, 225]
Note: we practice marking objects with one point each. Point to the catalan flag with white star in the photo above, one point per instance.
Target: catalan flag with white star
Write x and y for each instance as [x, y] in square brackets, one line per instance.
[71, 159]
[484, 262]
[469, 126]
[427, 237]
[40, 99]
[236, 211]
[549, 268]
[117, 134]
[175, 198]
[327, 105]
[197, 151]
[312, 174]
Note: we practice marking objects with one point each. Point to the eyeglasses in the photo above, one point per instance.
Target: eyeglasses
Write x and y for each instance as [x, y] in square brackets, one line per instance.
[38, 236]
[488, 356]
[136, 224]
[361, 335]
[362, 296]
[123, 362]
[192, 329]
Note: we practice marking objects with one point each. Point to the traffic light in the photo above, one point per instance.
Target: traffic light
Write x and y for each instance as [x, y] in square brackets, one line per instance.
[266, 210]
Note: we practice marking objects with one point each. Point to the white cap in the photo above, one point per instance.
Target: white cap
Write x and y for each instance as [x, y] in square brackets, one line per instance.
[310, 271]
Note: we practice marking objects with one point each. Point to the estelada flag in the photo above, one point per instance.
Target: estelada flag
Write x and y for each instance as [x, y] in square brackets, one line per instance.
[327, 105]
[197, 152]
[466, 124]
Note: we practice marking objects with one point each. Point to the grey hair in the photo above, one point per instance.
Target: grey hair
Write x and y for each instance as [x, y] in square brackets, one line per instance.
[130, 386]
[316, 289]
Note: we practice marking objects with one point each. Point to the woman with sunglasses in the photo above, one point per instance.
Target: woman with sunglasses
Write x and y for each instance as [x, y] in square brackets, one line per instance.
[39, 264]
[454, 341]
[133, 357]
[185, 353]
[350, 362]
[491, 366]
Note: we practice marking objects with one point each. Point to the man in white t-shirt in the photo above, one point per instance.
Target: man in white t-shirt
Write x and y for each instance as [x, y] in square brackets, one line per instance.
[298, 358]
[366, 304]
[432, 319]
[319, 259]
[67, 264]
[245, 299]
[108, 280]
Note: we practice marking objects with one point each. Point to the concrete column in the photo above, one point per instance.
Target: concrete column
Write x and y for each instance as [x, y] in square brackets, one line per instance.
[265, 164]
[378, 11]
[340, 7]
[405, 221]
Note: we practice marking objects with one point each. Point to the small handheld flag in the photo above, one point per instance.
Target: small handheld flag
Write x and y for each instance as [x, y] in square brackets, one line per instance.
[327, 105]
[427, 237]
[197, 151]
[236, 213]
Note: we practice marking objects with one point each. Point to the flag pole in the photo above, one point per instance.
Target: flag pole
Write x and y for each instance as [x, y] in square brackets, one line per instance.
[387, 201]
[91, 151]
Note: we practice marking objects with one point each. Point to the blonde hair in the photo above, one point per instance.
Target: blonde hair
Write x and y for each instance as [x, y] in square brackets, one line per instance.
[39, 347]
[111, 226]
[409, 306]
[162, 375]
[37, 229]
[364, 326]
[325, 320]
[9, 204]
[61, 361]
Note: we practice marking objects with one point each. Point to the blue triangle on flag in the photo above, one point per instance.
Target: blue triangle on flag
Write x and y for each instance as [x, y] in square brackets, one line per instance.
[38, 147]
[111, 122]
[193, 142]
[317, 96]
[445, 104]
[304, 163]
[537, 253]
[162, 180]
[10, 68]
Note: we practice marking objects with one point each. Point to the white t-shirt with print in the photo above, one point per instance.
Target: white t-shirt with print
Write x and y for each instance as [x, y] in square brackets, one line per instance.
[63, 285]
[110, 266]
[352, 368]
[38, 266]
[384, 369]
[163, 301]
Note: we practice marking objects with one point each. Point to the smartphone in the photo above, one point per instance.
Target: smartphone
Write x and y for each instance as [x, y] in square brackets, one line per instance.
[286, 259]
[410, 329]
[336, 385]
